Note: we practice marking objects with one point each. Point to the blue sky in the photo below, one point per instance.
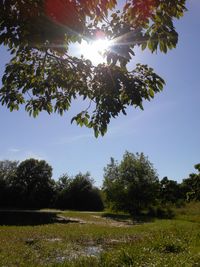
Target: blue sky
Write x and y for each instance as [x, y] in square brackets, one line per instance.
[167, 131]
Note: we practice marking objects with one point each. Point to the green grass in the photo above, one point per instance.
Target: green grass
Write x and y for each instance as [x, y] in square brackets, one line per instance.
[190, 212]
[102, 239]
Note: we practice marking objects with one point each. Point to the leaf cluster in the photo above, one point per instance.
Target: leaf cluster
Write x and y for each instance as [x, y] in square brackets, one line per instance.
[43, 75]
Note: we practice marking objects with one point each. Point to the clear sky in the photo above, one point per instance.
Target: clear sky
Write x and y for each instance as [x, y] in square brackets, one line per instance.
[167, 131]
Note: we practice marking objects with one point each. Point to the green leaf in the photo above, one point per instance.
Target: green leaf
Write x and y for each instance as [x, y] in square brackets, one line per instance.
[151, 92]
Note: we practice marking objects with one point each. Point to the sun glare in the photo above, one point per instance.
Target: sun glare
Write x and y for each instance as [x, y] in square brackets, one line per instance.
[94, 50]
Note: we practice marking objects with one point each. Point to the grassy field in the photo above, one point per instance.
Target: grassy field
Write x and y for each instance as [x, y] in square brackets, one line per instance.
[55, 238]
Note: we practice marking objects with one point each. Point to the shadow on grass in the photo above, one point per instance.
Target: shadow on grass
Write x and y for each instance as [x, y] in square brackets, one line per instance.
[117, 217]
[128, 218]
[25, 218]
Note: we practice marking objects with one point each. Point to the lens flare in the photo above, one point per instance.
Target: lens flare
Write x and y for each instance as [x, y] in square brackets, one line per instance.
[95, 50]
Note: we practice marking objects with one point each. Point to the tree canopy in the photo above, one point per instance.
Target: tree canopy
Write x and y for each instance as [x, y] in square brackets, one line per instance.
[8, 170]
[33, 184]
[170, 191]
[78, 193]
[132, 185]
[191, 185]
[43, 75]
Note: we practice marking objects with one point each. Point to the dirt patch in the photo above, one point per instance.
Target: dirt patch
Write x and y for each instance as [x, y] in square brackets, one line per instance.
[112, 222]
[62, 219]
[54, 239]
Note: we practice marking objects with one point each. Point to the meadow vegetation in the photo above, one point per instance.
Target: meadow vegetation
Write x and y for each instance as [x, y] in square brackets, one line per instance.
[75, 238]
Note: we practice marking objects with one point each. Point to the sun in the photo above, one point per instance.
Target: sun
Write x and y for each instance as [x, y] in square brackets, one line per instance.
[94, 50]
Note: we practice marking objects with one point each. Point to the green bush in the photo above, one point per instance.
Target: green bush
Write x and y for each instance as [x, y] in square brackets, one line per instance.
[162, 212]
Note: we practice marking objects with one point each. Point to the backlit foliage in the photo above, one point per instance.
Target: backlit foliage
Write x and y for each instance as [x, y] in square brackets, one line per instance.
[43, 75]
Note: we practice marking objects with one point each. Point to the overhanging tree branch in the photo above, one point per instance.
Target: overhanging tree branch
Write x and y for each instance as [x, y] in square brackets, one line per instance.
[38, 34]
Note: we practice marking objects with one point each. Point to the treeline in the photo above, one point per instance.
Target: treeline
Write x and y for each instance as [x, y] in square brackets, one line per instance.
[29, 185]
[131, 185]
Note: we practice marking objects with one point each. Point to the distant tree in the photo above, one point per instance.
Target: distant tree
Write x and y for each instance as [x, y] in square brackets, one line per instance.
[191, 185]
[78, 193]
[33, 186]
[44, 75]
[8, 171]
[197, 167]
[63, 182]
[112, 185]
[170, 191]
[133, 184]
[62, 187]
